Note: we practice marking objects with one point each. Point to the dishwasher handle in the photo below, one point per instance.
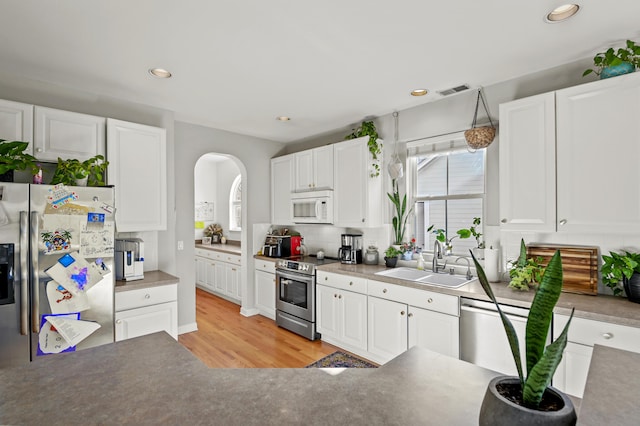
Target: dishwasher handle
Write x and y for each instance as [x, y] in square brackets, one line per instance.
[476, 306]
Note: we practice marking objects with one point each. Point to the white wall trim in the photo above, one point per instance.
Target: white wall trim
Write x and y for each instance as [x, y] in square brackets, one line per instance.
[249, 312]
[188, 328]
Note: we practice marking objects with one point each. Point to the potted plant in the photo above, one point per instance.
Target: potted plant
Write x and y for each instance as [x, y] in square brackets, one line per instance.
[367, 128]
[525, 272]
[622, 267]
[613, 62]
[529, 399]
[473, 231]
[399, 221]
[90, 172]
[391, 256]
[13, 157]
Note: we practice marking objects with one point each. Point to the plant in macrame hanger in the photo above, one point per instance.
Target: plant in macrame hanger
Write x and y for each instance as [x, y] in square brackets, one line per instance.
[478, 137]
[395, 167]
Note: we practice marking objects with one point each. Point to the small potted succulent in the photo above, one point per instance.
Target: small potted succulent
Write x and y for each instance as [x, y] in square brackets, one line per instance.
[14, 158]
[525, 273]
[614, 62]
[391, 256]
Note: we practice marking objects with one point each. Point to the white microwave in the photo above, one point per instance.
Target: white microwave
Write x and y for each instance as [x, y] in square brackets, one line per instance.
[312, 207]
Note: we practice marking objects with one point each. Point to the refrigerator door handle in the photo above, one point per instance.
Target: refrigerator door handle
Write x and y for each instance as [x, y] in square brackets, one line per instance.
[35, 278]
[24, 273]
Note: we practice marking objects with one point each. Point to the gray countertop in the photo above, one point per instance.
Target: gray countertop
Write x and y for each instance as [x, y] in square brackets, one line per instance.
[224, 248]
[155, 380]
[601, 307]
[151, 279]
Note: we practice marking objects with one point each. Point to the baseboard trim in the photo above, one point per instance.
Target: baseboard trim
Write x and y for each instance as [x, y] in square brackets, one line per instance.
[188, 328]
[249, 312]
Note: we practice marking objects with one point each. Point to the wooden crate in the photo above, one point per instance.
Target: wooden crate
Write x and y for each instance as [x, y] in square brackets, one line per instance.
[579, 265]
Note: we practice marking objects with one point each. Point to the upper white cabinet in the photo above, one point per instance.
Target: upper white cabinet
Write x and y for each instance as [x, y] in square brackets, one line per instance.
[528, 164]
[67, 135]
[595, 174]
[137, 157]
[281, 188]
[16, 122]
[598, 153]
[314, 169]
[357, 195]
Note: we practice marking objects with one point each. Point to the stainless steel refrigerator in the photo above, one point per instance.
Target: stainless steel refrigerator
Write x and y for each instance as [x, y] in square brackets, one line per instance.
[28, 214]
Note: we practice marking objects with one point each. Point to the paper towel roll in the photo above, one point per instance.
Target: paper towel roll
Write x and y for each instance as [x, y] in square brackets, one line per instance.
[491, 264]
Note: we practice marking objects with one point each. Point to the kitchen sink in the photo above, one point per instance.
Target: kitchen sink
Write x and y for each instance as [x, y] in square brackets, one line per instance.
[425, 277]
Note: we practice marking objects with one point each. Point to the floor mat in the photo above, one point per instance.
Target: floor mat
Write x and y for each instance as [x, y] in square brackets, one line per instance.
[341, 360]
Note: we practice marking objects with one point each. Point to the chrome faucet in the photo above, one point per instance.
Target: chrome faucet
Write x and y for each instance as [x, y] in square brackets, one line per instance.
[437, 254]
[469, 275]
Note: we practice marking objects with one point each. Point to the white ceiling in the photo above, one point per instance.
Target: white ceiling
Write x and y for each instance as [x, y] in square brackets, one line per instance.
[327, 64]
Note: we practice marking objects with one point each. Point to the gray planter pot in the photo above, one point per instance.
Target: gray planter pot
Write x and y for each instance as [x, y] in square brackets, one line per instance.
[496, 410]
[632, 287]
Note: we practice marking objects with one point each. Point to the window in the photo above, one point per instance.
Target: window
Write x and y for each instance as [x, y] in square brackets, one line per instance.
[235, 205]
[446, 182]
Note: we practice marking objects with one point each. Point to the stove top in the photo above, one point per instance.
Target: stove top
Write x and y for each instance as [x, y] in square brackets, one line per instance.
[303, 264]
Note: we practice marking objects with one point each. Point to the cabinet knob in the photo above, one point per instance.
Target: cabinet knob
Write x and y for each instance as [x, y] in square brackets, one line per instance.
[563, 222]
[384, 290]
[119, 321]
[608, 336]
[402, 313]
[350, 282]
[38, 149]
[363, 220]
[335, 295]
[340, 296]
[147, 296]
[504, 220]
[326, 278]
[429, 300]
[410, 315]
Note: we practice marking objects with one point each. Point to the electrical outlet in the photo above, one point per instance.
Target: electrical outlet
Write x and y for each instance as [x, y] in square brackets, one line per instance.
[180, 245]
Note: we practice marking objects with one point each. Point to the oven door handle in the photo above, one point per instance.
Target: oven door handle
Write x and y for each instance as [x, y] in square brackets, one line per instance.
[292, 277]
[285, 282]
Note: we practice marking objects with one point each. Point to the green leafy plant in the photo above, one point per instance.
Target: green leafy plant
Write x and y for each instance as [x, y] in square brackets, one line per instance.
[13, 157]
[472, 231]
[525, 272]
[367, 128]
[612, 57]
[392, 252]
[69, 171]
[619, 267]
[541, 363]
[399, 221]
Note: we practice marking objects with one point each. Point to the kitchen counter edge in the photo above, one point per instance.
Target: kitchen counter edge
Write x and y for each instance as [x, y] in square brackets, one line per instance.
[151, 279]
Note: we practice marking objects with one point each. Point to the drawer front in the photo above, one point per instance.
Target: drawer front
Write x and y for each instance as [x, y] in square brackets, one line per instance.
[266, 266]
[589, 332]
[231, 258]
[426, 299]
[207, 254]
[343, 282]
[146, 297]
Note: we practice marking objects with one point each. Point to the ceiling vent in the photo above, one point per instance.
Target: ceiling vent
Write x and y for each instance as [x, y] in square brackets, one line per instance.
[454, 90]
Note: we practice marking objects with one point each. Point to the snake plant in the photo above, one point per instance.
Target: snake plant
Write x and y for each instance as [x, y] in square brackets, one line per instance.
[399, 221]
[541, 363]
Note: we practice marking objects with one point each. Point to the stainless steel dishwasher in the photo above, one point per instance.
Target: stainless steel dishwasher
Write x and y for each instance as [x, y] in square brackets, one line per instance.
[483, 340]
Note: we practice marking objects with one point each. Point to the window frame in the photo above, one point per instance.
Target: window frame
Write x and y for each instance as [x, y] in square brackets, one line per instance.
[235, 204]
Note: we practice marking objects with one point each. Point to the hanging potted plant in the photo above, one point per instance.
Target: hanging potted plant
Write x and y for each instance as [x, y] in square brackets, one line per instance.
[622, 267]
[13, 157]
[90, 172]
[529, 399]
[399, 221]
[614, 62]
[367, 128]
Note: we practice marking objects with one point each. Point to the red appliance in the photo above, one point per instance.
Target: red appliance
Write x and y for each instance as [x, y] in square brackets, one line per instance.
[296, 241]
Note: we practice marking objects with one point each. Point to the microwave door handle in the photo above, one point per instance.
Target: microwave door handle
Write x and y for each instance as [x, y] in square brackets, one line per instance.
[35, 275]
[318, 208]
[24, 273]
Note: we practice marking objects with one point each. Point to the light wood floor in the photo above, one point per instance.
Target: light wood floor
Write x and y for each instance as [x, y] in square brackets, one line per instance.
[226, 339]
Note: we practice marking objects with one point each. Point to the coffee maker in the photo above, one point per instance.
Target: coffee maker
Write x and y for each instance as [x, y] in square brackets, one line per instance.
[350, 248]
[129, 259]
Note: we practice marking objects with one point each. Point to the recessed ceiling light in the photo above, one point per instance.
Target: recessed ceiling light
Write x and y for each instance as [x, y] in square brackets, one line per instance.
[419, 92]
[283, 118]
[562, 13]
[159, 72]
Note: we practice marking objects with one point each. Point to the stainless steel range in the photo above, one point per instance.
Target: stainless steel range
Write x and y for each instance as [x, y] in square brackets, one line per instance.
[296, 294]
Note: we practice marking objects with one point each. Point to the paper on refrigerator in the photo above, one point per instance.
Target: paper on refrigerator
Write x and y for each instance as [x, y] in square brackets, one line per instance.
[62, 301]
[62, 333]
[74, 273]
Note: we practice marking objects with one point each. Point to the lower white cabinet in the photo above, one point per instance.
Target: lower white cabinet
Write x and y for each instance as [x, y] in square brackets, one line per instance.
[145, 311]
[571, 375]
[342, 317]
[219, 273]
[388, 327]
[435, 331]
[265, 281]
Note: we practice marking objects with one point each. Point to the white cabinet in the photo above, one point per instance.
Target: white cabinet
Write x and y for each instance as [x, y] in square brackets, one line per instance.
[145, 311]
[265, 281]
[342, 317]
[598, 156]
[388, 327]
[314, 169]
[16, 122]
[357, 195]
[219, 273]
[571, 375]
[402, 317]
[138, 170]
[281, 188]
[67, 135]
[528, 164]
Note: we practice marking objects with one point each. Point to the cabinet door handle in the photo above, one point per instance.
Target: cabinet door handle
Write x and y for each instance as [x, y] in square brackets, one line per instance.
[402, 313]
[607, 336]
[563, 222]
[504, 220]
